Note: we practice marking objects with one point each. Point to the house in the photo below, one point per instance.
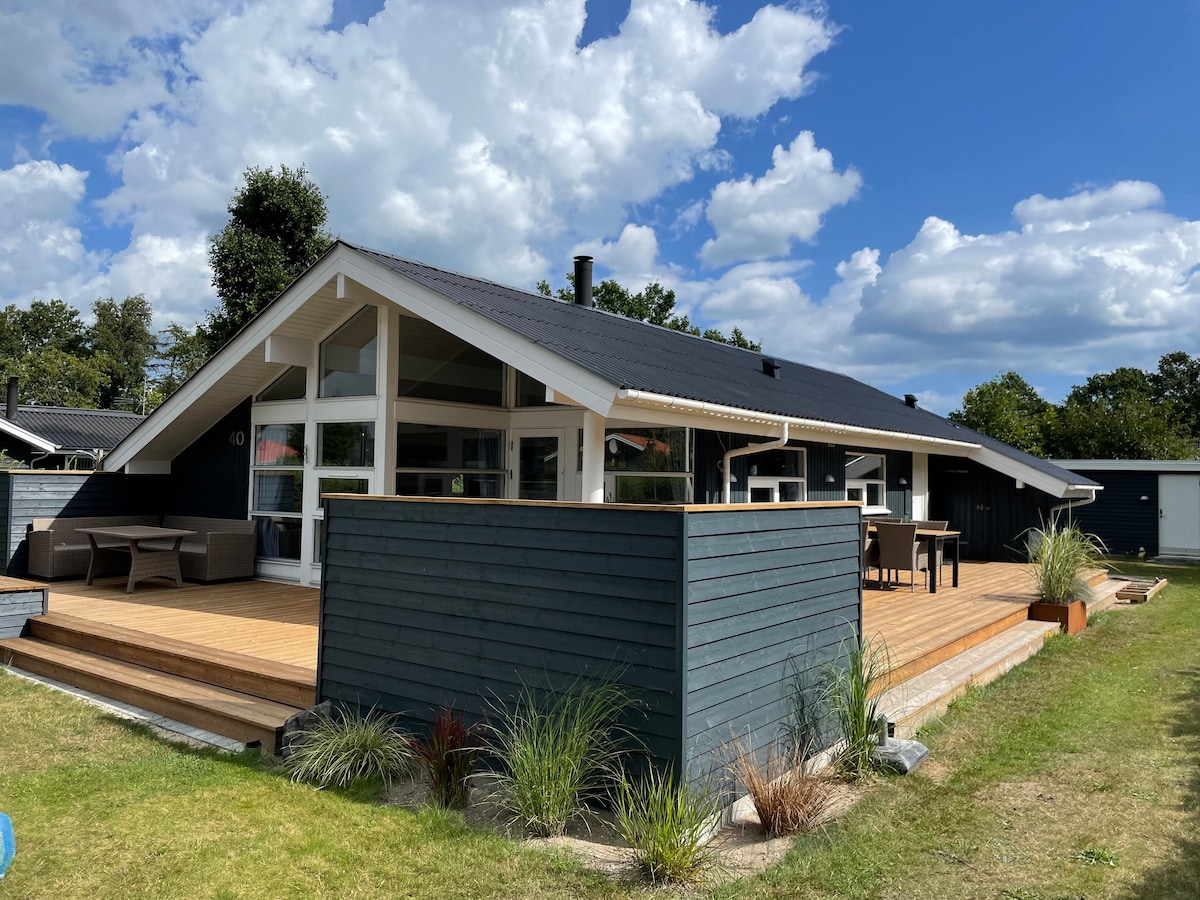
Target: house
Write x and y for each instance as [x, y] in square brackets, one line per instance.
[374, 374]
[1149, 507]
[55, 437]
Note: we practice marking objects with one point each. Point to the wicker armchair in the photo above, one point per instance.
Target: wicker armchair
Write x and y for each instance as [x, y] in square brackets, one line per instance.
[899, 549]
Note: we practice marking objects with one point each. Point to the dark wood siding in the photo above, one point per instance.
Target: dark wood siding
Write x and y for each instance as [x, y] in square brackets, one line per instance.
[5, 518]
[37, 494]
[219, 457]
[16, 606]
[426, 604]
[987, 507]
[1120, 517]
[772, 594]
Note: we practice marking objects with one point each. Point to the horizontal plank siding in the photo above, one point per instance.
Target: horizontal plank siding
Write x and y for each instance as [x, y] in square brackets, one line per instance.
[783, 601]
[427, 605]
[16, 606]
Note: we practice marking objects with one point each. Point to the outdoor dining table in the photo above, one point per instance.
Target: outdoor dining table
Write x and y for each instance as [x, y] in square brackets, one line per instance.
[144, 562]
[936, 539]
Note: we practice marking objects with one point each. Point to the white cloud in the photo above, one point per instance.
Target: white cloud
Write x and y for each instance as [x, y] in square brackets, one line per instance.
[756, 219]
[470, 134]
[41, 247]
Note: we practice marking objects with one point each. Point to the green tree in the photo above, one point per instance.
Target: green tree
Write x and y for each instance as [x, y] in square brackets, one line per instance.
[276, 230]
[47, 324]
[180, 353]
[1008, 409]
[123, 344]
[1177, 382]
[654, 304]
[53, 377]
[1114, 415]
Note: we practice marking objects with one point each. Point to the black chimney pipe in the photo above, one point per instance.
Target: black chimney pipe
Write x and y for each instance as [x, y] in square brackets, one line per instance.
[910, 400]
[583, 280]
[10, 411]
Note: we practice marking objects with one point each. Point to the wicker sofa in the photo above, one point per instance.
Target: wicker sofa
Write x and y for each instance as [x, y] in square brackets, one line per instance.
[58, 550]
[221, 549]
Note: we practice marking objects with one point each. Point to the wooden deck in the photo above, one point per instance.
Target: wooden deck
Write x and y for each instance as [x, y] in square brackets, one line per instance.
[262, 619]
[921, 630]
[278, 622]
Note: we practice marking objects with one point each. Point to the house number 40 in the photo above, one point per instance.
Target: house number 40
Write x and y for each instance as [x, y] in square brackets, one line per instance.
[237, 438]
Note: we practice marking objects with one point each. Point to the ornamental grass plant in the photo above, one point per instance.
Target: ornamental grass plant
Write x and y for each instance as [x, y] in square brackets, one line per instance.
[557, 751]
[787, 797]
[853, 701]
[668, 825]
[1059, 557]
[350, 747]
[447, 757]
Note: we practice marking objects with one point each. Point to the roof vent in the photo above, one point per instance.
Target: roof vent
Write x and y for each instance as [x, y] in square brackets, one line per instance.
[910, 400]
[583, 280]
[770, 366]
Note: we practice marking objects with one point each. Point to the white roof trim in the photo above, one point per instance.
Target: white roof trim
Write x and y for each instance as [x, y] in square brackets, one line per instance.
[33, 440]
[1043, 481]
[1130, 465]
[252, 334]
[586, 389]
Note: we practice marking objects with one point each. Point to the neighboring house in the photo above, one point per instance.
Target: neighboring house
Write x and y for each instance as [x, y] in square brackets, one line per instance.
[373, 374]
[1149, 507]
[56, 437]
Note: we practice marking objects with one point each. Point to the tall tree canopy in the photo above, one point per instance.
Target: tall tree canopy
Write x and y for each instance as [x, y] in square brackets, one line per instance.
[1127, 413]
[123, 345]
[276, 230]
[654, 304]
[1009, 409]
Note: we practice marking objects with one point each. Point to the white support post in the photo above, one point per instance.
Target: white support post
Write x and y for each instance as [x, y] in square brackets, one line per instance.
[920, 486]
[592, 476]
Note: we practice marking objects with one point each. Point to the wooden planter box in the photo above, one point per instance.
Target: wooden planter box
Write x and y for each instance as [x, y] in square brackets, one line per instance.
[1072, 617]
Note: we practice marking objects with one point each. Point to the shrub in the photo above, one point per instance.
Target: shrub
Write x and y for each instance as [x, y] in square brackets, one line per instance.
[349, 747]
[558, 752]
[1059, 555]
[853, 701]
[786, 796]
[667, 826]
[447, 757]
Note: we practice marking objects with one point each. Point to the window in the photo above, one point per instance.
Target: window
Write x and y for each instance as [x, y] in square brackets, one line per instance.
[291, 385]
[865, 480]
[647, 465]
[348, 357]
[436, 365]
[441, 461]
[278, 476]
[777, 476]
[346, 445]
[530, 391]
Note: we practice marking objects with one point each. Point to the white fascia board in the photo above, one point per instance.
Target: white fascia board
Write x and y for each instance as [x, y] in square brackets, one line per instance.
[33, 440]
[552, 370]
[207, 377]
[1130, 465]
[1035, 478]
[699, 413]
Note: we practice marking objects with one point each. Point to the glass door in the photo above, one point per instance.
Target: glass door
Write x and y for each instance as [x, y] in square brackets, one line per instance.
[538, 460]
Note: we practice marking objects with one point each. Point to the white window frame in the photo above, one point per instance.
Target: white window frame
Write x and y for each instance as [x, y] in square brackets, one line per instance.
[864, 485]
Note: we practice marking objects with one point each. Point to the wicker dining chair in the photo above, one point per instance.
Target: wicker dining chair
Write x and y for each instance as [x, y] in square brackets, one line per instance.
[899, 549]
[935, 525]
[870, 550]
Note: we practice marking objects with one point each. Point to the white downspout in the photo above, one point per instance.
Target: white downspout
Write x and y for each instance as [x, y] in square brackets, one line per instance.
[746, 451]
[1056, 508]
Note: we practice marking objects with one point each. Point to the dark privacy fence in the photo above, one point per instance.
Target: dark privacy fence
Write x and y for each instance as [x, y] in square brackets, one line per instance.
[708, 613]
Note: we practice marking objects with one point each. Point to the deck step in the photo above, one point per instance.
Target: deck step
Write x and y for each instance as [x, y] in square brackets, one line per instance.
[927, 696]
[938, 654]
[217, 709]
[283, 683]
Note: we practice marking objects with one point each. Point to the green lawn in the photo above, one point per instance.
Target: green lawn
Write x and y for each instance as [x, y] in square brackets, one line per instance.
[1076, 775]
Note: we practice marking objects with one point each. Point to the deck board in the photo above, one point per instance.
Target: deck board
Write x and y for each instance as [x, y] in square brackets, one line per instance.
[257, 618]
[279, 622]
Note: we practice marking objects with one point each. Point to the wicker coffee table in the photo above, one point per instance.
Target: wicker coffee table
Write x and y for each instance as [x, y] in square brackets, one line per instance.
[144, 562]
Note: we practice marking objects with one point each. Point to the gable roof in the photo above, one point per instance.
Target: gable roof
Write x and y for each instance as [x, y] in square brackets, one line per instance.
[603, 359]
[64, 429]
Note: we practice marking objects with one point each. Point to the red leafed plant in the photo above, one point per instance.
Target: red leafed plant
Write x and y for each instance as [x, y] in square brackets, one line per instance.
[448, 756]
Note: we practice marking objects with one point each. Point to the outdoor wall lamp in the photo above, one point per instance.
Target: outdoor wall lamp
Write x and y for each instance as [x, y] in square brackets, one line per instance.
[1144, 498]
[902, 481]
[829, 479]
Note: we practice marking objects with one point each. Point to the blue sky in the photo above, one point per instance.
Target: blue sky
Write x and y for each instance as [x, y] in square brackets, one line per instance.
[921, 195]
